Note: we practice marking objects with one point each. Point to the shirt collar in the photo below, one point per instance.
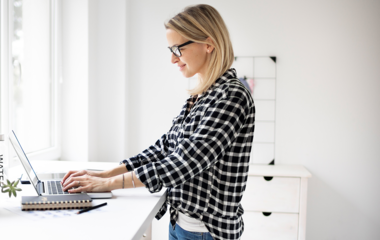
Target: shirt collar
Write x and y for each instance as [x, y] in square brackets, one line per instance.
[228, 75]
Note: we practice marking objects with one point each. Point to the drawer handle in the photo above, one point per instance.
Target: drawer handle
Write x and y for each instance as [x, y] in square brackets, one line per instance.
[267, 214]
[267, 178]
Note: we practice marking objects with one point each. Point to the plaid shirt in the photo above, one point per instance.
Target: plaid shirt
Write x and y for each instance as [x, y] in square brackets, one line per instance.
[203, 160]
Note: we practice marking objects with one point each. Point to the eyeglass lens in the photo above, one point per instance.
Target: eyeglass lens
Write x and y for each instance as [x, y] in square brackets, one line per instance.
[176, 51]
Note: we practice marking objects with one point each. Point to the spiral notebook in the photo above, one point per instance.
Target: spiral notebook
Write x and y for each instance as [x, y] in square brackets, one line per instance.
[58, 202]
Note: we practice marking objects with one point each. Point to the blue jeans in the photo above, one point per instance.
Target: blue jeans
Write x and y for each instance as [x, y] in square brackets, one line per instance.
[182, 234]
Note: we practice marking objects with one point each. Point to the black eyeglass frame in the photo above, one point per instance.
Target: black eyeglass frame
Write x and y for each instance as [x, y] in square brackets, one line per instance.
[179, 48]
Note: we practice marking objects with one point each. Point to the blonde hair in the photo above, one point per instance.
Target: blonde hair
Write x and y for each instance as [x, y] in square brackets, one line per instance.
[197, 23]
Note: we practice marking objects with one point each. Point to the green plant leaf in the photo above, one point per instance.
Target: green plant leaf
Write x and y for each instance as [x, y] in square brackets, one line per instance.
[15, 185]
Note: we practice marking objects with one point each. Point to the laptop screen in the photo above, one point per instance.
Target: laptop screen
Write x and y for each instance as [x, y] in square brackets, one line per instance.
[23, 158]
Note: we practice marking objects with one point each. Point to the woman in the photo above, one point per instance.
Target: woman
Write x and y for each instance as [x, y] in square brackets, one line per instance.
[203, 159]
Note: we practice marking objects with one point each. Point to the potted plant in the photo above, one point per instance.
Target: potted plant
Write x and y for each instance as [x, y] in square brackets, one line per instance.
[10, 188]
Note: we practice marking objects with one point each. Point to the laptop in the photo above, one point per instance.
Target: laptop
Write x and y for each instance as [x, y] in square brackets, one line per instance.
[45, 187]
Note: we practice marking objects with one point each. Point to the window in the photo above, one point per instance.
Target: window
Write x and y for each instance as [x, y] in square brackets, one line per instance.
[32, 63]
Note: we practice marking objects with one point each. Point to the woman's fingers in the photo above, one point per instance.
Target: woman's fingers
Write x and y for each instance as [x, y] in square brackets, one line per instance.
[71, 185]
[88, 184]
[79, 173]
[68, 186]
[78, 189]
[85, 183]
[73, 173]
[67, 175]
[74, 182]
[75, 190]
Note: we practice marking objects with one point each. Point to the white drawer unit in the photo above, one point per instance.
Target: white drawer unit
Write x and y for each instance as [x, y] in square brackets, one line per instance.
[268, 226]
[272, 194]
[275, 202]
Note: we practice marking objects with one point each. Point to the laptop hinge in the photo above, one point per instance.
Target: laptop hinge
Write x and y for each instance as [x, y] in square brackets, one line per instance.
[40, 187]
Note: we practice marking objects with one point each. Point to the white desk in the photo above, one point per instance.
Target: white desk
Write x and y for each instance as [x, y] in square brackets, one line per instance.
[128, 214]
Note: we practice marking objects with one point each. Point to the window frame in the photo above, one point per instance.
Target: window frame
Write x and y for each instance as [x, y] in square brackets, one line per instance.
[6, 21]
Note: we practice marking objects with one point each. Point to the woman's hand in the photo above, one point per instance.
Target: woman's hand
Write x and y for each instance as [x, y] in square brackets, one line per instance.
[94, 181]
[103, 174]
[87, 183]
[76, 173]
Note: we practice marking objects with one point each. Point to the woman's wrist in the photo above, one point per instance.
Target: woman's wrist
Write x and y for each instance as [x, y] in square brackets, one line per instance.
[119, 181]
[125, 180]
[113, 183]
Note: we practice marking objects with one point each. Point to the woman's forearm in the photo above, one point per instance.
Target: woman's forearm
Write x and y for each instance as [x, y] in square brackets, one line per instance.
[115, 171]
[116, 182]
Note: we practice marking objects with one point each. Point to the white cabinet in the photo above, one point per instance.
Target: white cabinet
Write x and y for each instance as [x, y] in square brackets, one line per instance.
[270, 226]
[274, 194]
[275, 202]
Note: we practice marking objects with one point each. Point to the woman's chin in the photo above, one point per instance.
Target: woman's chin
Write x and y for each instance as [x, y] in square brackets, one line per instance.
[187, 74]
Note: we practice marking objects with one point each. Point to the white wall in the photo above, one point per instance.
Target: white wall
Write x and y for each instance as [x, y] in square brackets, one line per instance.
[94, 80]
[75, 80]
[327, 102]
[108, 80]
[157, 89]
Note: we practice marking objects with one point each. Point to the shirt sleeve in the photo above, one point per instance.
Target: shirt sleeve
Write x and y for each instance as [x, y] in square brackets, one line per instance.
[216, 131]
[157, 151]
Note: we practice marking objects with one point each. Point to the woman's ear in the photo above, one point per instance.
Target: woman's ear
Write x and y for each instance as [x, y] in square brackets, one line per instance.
[210, 45]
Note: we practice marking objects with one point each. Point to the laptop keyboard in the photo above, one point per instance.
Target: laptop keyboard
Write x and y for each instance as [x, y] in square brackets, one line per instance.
[55, 187]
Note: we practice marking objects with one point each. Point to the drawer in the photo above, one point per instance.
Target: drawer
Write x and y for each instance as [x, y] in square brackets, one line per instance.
[282, 226]
[273, 194]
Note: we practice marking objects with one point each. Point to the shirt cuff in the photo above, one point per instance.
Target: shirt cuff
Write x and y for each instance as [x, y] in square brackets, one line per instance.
[128, 164]
[147, 174]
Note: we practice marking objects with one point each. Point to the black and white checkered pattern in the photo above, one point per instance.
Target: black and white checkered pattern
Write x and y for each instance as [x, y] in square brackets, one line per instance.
[203, 160]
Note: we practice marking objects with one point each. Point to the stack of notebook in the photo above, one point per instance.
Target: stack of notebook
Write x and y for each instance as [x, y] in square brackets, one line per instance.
[56, 202]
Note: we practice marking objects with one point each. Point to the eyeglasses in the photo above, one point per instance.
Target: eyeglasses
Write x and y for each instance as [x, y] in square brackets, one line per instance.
[176, 49]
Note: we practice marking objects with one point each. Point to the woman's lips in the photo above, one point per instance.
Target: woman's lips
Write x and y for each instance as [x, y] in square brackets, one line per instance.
[182, 67]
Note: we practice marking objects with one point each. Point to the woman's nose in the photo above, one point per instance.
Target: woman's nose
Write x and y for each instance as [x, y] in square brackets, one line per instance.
[174, 58]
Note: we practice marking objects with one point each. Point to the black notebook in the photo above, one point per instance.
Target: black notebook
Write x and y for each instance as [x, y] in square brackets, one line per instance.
[55, 202]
